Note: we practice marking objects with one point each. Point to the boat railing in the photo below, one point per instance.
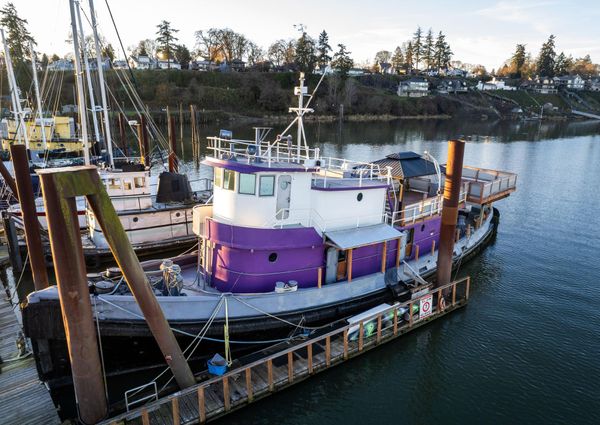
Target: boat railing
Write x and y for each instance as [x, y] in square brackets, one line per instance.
[335, 346]
[309, 217]
[423, 209]
[488, 185]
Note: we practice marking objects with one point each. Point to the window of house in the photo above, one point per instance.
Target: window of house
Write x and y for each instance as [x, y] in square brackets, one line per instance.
[218, 177]
[247, 184]
[228, 179]
[267, 186]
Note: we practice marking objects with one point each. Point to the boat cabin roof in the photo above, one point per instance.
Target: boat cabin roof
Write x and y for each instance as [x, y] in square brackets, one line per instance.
[405, 165]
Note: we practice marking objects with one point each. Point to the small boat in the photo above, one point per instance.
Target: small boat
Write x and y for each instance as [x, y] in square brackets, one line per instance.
[292, 240]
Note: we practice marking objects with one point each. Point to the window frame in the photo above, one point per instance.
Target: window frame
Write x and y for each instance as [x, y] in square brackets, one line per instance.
[242, 175]
[260, 179]
[231, 179]
[218, 177]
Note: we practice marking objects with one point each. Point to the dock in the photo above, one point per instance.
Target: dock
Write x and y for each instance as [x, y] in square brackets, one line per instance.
[24, 399]
[271, 373]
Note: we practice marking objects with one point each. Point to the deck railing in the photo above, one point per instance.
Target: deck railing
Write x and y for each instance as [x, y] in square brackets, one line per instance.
[309, 217]
[193, 404]
[422, 209]
[488, 185]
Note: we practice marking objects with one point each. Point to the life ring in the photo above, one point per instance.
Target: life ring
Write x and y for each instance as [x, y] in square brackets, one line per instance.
[442, 304]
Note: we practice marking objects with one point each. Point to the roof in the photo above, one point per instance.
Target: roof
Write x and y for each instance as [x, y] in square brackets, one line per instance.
[407, 165]
[361, 236]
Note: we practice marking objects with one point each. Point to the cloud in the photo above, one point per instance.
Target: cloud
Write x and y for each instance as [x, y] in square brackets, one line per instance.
[520, 12]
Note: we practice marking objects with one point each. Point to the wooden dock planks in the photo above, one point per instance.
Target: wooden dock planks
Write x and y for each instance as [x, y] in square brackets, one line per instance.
[23, 398]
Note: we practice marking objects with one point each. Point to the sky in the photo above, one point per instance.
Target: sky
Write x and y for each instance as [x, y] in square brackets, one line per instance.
[478, 32]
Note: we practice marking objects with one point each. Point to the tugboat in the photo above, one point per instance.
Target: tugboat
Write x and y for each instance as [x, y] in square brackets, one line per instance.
[292, 240]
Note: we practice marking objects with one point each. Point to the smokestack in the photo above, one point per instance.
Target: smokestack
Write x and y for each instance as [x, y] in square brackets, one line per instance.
[456, 150]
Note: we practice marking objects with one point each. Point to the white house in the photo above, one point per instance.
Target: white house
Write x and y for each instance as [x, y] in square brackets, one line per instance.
[142, 62]
[414, 87]
[573, 82]
[593, 84]
[170, 64]
[61, 65]
[494, 85]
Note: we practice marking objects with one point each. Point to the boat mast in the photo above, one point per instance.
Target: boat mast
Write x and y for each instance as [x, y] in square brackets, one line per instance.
[88, 75]
[300, 112]
[107, 133]
[37, 93]
[79, 82]
[15, 92]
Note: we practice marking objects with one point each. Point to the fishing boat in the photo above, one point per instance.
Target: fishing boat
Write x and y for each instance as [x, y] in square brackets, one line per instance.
[292, 240]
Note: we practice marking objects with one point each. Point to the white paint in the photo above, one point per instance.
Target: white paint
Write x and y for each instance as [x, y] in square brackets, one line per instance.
[425, 306]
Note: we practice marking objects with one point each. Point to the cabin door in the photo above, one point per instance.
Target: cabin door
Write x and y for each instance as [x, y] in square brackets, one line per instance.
[284, 191]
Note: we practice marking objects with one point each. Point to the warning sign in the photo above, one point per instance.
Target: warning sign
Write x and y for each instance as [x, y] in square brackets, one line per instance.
[425, 306]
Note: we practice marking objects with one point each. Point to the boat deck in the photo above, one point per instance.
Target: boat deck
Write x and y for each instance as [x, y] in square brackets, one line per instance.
[23, 398]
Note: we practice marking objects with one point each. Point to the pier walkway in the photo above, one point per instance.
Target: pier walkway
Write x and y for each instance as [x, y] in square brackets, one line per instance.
[24, 399]
[292, 363]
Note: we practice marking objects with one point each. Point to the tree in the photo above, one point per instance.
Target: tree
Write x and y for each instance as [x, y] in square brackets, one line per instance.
[165, 40]
[342, 61]
[517, 61]
[323, 49]
[17, 34]
[306, 54]
[255, 53]
[562, 64]
[398, 60]
[547, 57]
[409, 59]
[45, 60]
[183, 56]
[417, 47]
[108, 52]
[208, 44]
[54, 58]
[442, 53]
[428, 50]
[583, 66]
[282, 52]
[383, 56]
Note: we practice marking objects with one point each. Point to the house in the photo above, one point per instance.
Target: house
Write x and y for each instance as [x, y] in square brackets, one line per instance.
[455, 72]
[544, 85]
[356, 72]
[237, 65]
[61, 65]
[168, 64]
[571, 82]
[119, 64]
[142, 62]
[494, 84]
[593, 84]
[106, 64]
[414, 87]
[452, 86]
[203, 65]
[385, 68]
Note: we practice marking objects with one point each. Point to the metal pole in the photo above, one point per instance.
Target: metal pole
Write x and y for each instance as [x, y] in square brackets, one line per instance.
[143, 142]
[173, 166]
[80, 88]
[456, 150]
[69, 265]
[37, 93]
[107, 132]
[29, 214]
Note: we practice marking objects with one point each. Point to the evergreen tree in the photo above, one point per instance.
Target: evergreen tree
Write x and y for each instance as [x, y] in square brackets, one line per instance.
[443, 53]
[54, 58]
[342, 61]
[563, 64]
[518, 60]
[547, 58]
[17, 34]
[183, 56]
[306, 54]
[109, 52]
[45, 60]
[428, 50]
[323, 49]
[417, 47]
[409, 59]
[398, 60]
[165, 40]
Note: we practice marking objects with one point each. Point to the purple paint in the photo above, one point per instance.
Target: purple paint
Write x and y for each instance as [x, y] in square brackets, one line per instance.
[425, 232]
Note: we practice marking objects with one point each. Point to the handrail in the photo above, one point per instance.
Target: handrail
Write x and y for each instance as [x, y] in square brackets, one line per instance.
[312, 218]
[344, 330]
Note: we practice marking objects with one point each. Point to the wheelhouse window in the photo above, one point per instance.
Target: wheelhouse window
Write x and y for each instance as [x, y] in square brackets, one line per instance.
[127, 184]
[114, 183]
[266, 186]
[228, 179]
[218, 177]
[139, 182]
[247, 184]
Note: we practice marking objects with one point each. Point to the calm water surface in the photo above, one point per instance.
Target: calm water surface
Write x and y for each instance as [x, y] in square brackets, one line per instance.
[527, 347]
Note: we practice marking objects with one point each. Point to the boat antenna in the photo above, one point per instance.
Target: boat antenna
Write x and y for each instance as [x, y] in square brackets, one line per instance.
[16, 100]
[37, 93]
[80, 88]
[107, 133]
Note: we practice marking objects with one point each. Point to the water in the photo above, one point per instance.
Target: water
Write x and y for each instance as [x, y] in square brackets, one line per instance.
[526, 349]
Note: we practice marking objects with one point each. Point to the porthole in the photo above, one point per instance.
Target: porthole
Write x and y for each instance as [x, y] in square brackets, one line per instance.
[177, 214]
[135, 219]
[359, 197]
[272, 257]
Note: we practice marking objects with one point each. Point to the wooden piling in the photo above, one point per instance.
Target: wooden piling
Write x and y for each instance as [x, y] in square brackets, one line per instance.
[29, 215]
[173, 165]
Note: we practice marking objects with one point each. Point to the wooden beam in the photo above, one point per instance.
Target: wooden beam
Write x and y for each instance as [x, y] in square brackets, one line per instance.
[319, 276]
[361, 330]
[226, 398]
[417, 252]
[328, 351]
[175, 406]
[290, 361]
[345, 344]
[249, 388]
[395, 321]
[432, 247]
[349, 264]
[145, 418]
[398, 252]
[201, 405]
[453, 295]
[378, 329]
[384, 257]
[468, 287]
[310, 358]
[270, 374]
[410, 315]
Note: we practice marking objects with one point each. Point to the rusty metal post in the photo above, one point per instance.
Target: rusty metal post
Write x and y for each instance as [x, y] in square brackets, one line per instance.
[173, 165]
[8, 179]
[29, 213]
[456, 150]
[143, 141]
[80, 181]
[69, 265]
